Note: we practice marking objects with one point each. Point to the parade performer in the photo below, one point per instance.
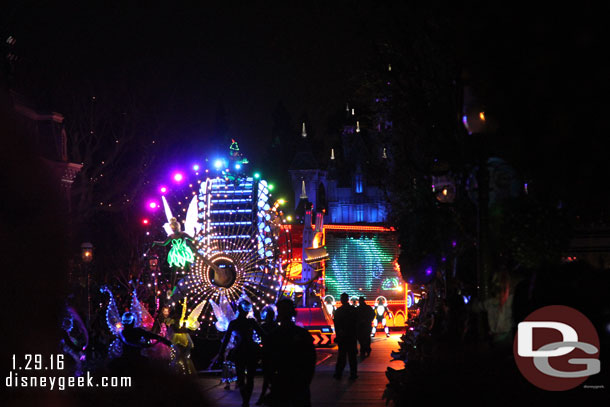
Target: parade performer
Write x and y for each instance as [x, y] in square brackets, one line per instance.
[134, 339]
[183, 344]
[224, 315]
[161, 327]
[381, 310]
[329, 305]
[74, 342]
[181, 251]
[246, 352]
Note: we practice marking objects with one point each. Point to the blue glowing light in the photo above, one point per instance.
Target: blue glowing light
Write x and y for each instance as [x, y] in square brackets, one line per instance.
[218, 164]
[237, 166]
[196, 167]
[410, 300]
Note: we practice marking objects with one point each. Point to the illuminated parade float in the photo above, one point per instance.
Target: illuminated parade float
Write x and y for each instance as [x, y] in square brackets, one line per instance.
[233, 242]
[228, 239]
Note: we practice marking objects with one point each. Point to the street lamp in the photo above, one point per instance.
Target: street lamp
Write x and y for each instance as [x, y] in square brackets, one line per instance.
[86, 252]
[153, 265]
[476, 123]
[86, 255]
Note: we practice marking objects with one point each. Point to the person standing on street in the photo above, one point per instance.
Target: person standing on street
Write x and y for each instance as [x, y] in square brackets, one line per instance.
[292, 359]
[346, 338]
[364, 318]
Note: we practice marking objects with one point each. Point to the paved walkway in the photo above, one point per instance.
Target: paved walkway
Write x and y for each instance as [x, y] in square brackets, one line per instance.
[367, 390]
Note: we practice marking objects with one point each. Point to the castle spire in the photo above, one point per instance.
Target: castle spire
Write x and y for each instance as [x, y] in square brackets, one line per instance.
[332, 153]
[357, 126]
[303, 131]
[303, 191]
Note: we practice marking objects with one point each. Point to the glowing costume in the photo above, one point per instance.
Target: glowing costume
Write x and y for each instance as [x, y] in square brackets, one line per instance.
[74, 342]
[381, 309]
[142, 319]
[329, 305]
[183, 344]
[181, 253]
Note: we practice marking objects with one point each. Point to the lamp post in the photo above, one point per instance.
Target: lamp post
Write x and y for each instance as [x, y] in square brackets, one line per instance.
[476, 124]
[153, 265]
[86, 255]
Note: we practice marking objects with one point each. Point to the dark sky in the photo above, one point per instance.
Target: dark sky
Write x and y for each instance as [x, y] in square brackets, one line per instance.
[542, 70]
[190, 59]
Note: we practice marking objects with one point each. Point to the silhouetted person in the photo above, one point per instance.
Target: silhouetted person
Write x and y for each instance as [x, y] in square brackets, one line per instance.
[246, 351]
[269, 325]
[135, 339]
[293, 358]
[345, 330]
[364, 318]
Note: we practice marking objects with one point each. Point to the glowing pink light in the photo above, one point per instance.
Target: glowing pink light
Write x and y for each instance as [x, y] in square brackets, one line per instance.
[163, 190]
[178, 177]
[152, 205]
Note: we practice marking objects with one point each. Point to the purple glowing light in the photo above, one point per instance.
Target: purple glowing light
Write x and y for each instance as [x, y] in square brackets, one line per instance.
[454, 243]
[178, 177]
[153, 205]
[163, 190]
[429, 271]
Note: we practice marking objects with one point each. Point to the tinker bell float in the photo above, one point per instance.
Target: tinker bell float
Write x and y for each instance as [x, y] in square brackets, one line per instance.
[227, 241]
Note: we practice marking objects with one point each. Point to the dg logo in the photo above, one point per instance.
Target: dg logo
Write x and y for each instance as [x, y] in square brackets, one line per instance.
[557, 348]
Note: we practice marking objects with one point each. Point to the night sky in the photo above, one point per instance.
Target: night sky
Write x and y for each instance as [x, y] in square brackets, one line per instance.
[188, 60]
[542, 71]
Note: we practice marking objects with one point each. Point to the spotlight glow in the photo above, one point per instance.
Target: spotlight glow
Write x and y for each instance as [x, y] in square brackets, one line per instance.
[237, 166]
[178, 177]
[163, 190]
[257, 175]
[218, 164]
[196, 167]
[153, 205]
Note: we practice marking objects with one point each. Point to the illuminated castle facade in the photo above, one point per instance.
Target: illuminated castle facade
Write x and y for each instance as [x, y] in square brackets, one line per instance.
[349, 205]
[348, 190]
